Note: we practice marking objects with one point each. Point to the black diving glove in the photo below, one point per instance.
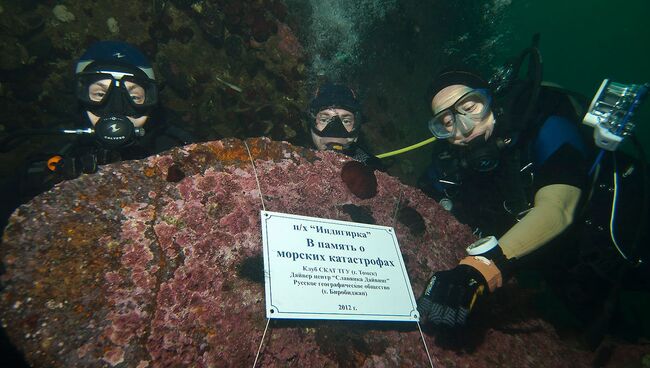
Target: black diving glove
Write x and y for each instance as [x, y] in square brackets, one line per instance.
[70, 167]
[450, 296]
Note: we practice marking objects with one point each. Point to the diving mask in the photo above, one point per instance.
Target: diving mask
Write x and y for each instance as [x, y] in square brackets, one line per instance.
[111, 92]
[462, 116]
[335, 126]
[116, 94]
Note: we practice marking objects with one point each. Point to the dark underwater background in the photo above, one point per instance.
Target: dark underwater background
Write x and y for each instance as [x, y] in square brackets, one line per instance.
[275, 52]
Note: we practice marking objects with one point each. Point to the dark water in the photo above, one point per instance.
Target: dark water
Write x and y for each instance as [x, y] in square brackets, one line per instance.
[584, 42]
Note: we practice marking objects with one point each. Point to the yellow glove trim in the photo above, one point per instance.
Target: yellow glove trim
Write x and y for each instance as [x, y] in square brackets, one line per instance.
[478, 292]
[552, 213]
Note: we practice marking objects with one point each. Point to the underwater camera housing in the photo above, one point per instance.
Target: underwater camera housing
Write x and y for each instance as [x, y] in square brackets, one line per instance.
[611, 110]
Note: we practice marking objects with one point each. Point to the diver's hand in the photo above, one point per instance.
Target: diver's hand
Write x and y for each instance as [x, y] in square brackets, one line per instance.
[70, 167]
[450, 296]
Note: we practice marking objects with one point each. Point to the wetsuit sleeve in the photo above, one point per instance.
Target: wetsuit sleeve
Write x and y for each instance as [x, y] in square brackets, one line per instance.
[560, 177]
[553, 212]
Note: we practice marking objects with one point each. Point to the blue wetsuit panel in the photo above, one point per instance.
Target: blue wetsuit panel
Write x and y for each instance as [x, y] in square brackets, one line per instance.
[556, 132]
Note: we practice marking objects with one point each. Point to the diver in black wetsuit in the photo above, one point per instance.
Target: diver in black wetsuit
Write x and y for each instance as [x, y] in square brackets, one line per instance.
[335, 123]
[516, 165]
[121, 120]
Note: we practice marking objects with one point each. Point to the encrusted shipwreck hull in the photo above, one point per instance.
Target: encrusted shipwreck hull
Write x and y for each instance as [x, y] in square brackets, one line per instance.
[158, 263]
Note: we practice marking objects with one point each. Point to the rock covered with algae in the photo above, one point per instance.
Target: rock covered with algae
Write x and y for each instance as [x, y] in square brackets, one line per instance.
[158, 263]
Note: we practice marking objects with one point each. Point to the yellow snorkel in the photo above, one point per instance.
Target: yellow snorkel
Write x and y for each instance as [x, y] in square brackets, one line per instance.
[406, 149]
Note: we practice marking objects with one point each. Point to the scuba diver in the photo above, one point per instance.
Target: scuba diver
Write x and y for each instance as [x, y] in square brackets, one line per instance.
[334, 119]
[516, 168]
[121, 120]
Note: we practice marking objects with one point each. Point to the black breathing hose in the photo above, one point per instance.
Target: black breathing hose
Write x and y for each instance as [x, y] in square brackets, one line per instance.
[644, 206]
[10, 141]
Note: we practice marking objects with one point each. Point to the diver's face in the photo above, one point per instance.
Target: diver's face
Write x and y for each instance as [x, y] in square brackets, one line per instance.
[98, 90]
[446, 98]
[323, 118]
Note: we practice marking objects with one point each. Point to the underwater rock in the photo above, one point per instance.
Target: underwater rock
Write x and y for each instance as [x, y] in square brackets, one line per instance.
[179, 81]
[62, 14]
[21, 23]
[234, 46]
[184, 34]
[263, 28]
[184, 4]
[212, 24]
[289, 43]
[39, 47]
[289, 133]
[157, 263]
[160, 32]
[113, 26]
[149, 47]
[14, 55]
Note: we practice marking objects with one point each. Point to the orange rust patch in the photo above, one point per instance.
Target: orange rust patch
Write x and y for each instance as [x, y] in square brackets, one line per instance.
[230, 154]
[38, 286]
[149, 171]
[79, 308]
[76, 234]
[10, 260]
[234, 152]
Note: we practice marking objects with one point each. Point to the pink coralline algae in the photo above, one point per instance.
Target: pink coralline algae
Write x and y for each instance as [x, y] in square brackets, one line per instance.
[289, 43]
[158, 263]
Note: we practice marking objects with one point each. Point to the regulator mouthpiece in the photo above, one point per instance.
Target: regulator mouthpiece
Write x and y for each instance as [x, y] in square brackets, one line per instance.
[116, 131]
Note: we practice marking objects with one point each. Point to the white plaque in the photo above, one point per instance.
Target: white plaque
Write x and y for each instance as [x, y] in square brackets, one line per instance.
[328, 269]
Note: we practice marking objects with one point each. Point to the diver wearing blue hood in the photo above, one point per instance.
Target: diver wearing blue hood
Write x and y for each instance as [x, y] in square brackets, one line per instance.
[334, 119]
[116, 87]
[117, 93]
[515, 166]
